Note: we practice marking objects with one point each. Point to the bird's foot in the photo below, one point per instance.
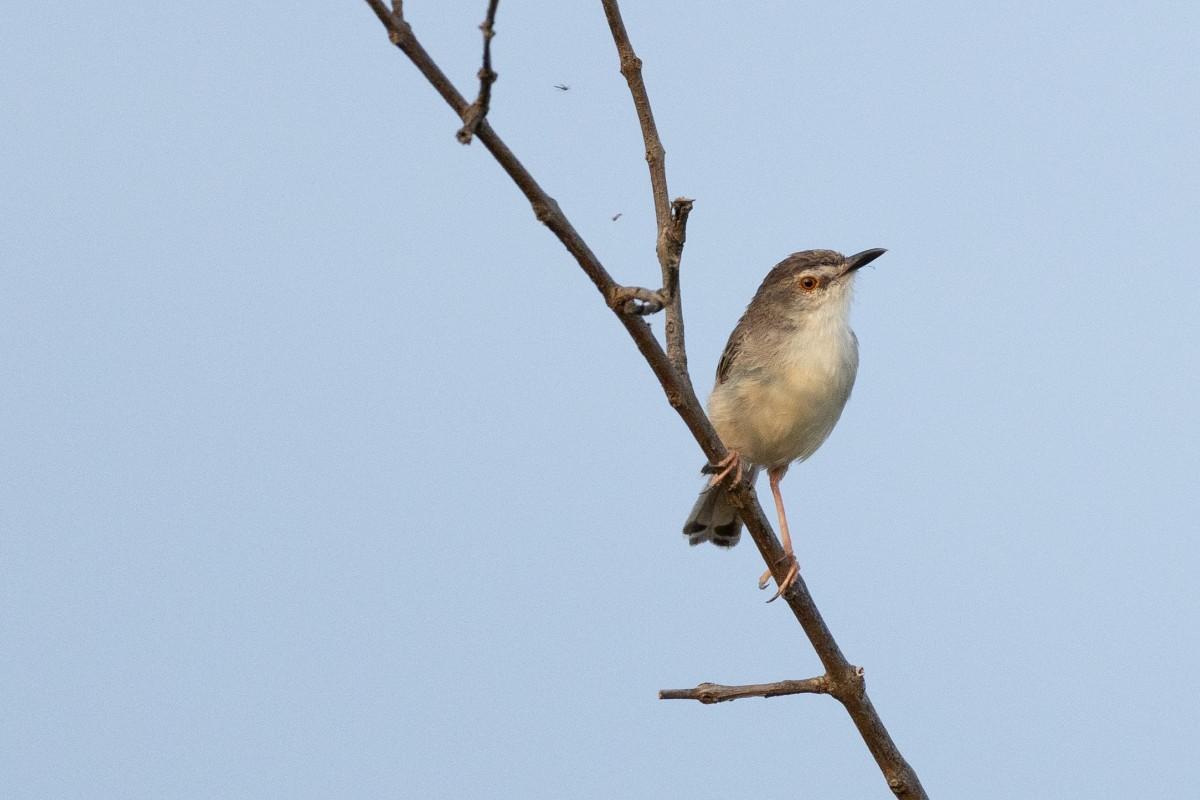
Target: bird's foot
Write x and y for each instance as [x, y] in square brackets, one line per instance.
[788, 580]
[731, 464]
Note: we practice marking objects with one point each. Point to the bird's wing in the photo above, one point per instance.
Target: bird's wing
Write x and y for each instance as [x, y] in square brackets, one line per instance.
[732, 348]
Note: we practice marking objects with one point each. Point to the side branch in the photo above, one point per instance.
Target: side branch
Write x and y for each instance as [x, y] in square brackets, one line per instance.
[479, 109]
[636, 300]
[672, 223]
[670, 249]
[709, 693]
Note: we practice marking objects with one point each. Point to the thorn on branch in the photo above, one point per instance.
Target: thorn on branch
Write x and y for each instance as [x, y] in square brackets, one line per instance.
[473, 114]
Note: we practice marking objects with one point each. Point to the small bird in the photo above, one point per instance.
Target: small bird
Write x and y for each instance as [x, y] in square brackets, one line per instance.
[782, 382]
[562, 87]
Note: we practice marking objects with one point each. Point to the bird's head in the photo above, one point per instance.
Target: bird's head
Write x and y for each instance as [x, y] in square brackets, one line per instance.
[813, 279]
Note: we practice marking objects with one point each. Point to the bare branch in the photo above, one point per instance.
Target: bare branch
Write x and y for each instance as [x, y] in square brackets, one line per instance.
[631, 68]
[671, 223]
[388, 18]
[479, 109]
[900, 776]
[672, 240]
[709, 693]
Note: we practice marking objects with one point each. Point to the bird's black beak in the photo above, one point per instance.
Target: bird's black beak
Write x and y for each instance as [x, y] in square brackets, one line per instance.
[860, 260]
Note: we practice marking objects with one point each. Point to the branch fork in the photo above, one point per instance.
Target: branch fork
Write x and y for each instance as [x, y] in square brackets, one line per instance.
[474, 113]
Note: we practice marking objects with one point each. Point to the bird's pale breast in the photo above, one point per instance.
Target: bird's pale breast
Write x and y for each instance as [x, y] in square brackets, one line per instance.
[782, 405]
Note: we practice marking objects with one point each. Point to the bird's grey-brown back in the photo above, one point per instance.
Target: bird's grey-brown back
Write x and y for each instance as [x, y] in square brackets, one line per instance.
[787, 371]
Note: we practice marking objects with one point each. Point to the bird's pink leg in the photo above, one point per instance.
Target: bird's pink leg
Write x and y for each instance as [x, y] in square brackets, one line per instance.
[731, 463]
[776, 475]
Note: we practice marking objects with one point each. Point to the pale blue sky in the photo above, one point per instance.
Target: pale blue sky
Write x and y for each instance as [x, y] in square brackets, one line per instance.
[328, 474]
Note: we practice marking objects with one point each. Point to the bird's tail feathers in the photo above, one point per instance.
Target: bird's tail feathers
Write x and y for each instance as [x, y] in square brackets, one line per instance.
[713, 519]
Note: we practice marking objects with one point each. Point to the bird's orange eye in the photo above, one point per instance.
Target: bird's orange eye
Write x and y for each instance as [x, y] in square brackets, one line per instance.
[808, 283]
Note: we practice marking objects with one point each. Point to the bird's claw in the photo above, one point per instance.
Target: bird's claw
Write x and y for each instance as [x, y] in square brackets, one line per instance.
[731, 463]
[787, 581]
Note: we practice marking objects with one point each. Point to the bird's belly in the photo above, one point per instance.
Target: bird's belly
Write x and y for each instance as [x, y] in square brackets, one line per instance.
[773, 422]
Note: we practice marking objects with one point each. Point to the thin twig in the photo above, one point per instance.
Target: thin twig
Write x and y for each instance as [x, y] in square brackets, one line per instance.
[847, 683]
[708, 693]
[636, 300]
[672, 223]
[487, 76]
